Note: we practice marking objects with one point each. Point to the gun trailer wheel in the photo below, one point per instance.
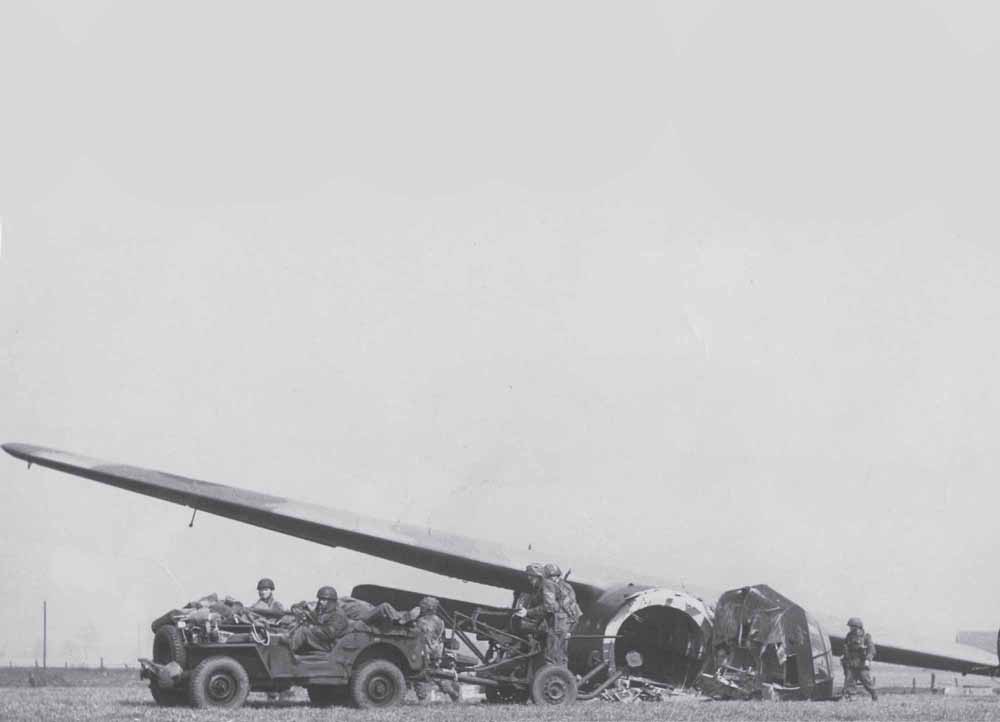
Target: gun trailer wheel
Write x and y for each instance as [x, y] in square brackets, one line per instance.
[378, 683]
[219, 682]
[553, 685]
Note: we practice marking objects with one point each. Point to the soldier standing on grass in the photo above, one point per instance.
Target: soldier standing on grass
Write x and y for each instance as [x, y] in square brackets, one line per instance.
[540, 611]
[859, 650]
[431, 627]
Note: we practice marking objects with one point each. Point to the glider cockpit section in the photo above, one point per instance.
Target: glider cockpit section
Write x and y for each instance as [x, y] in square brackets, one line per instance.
[766, 645]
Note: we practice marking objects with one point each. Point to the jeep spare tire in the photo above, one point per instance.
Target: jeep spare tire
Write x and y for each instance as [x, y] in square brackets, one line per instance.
[168, 646]
[378, 683]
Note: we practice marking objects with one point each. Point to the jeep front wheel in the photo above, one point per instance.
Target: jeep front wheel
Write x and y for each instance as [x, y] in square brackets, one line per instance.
[378, 683]
[219, 682]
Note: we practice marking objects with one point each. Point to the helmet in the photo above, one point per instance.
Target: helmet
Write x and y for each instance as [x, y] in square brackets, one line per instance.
[552, 570]
[429, 604]
[265, 583]
[327, 593]
[855, 622]
[535, 570]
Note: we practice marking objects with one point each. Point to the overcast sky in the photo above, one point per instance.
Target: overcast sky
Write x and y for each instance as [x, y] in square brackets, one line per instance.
[707, 290]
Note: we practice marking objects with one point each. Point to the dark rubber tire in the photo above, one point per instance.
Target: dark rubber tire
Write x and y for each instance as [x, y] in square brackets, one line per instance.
[378, 683]
[553, 685]
[168, 646]
[327, 696]
[219, 682]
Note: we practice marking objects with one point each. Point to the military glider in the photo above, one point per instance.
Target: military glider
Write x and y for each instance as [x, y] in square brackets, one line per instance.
[671, 628]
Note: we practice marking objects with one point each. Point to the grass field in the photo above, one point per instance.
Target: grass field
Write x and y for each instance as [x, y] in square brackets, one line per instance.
[117, 695]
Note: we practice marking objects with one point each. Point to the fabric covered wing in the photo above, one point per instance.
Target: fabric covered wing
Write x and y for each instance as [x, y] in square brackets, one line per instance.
[447, 554]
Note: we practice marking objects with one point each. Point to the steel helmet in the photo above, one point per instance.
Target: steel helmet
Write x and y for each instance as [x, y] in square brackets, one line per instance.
[429, 604]
[535, 570]
[552, 570]
[855, 622]
[265, 583]
[327, 593]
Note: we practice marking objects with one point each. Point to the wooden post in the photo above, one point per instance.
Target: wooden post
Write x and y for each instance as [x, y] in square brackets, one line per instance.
[102, 664]
[932, 681]
[914, 685]
[45, 634]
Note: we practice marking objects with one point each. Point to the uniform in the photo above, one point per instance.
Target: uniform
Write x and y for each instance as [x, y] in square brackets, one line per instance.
[544, 608]
[566, 617]
[271, 605]
[320, 624]
[859, 650]
[431, 628]
[361, 611]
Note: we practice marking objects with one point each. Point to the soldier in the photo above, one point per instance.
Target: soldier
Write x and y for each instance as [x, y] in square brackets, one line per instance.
[541, 608]
[431, 626]
[320, 625]
[522, 599]
[361, 611]
[266, 601]
[859, 650]
[568, 612]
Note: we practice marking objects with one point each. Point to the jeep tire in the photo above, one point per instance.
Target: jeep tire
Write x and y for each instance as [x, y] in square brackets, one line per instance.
[219, 682]
[378, 683]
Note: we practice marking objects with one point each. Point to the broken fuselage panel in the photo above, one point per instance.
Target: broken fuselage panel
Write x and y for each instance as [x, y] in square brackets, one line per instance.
[766, 645]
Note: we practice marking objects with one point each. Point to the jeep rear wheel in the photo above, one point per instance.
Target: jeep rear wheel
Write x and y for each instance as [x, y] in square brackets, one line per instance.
[378, 683]
[219, 682]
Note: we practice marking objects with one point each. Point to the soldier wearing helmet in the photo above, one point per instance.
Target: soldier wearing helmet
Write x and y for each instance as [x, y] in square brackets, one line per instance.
[431, 627]
[319, 625]
[542, 609]
[525, 599]
[859, 650]
[568, 612]
[266, 601]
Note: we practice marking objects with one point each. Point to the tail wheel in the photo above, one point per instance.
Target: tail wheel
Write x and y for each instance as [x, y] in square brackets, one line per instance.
[553, 685]
[219, 682]
[378, 683]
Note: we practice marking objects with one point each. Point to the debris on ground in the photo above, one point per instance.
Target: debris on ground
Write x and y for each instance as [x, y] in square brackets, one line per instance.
[638, 689]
